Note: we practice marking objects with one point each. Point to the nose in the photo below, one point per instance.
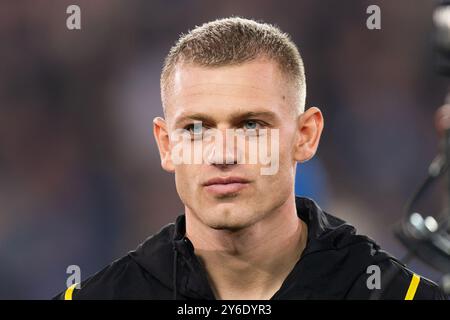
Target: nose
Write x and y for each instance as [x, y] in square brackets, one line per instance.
[221, 158]
[222, 152]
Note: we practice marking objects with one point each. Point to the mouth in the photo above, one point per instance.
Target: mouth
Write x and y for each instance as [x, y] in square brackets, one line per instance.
[227, 185]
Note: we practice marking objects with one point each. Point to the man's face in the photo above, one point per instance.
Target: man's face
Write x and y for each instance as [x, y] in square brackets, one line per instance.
[251, 95]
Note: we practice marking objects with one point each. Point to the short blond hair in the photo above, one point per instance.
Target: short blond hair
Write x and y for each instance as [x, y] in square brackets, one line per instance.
[232, 41]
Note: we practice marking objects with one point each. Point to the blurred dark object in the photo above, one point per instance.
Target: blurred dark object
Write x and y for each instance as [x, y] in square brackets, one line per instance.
[441, 21]
[428, 237]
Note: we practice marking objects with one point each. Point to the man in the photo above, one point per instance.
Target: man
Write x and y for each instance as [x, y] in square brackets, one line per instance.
[244, 234]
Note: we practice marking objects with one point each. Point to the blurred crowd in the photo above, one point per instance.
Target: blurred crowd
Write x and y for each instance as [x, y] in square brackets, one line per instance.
[80, 176]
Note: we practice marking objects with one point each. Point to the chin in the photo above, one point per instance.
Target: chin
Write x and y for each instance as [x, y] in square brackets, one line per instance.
[229, 219]
[224, 225]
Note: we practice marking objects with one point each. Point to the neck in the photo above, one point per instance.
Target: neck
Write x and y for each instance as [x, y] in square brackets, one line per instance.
[253, 262]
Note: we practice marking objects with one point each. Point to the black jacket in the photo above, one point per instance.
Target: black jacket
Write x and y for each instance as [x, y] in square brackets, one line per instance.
[332, 266]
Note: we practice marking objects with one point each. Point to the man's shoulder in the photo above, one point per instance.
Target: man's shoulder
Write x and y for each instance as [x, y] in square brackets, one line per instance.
[128, 277]
[101, 284]
[360, 268]
[122, 279]
[391, 280]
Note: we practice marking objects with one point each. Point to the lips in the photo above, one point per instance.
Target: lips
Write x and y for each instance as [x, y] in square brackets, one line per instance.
[225, 185]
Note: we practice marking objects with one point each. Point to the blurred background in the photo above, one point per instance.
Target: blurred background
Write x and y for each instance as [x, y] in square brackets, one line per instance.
[80, 176]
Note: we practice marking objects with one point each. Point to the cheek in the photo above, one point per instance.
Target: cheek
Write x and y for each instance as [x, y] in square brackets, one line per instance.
[185, 179]
[284, 177]
[285, 153]
[272, 191]
[280, 181]
[287, 141]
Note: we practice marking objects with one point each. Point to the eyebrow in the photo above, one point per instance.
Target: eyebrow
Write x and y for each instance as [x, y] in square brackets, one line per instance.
[234, 119]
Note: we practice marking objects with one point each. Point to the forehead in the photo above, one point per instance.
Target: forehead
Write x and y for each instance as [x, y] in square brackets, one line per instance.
[257, 85]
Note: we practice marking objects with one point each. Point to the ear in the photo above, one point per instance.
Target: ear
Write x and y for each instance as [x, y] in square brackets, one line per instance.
[163, 141]
[309, 130]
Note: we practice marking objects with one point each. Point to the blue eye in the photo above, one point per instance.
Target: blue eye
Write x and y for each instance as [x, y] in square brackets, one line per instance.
[195, 128]
[250, 125]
